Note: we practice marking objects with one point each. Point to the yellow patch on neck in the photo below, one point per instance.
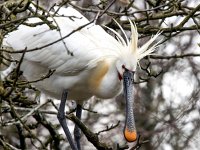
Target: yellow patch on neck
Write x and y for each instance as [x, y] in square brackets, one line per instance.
[97, 74]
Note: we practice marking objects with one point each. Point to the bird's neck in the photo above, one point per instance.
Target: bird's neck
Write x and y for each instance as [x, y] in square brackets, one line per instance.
[105, 80]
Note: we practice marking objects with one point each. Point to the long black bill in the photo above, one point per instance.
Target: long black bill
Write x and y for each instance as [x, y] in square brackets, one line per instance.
[130, 133]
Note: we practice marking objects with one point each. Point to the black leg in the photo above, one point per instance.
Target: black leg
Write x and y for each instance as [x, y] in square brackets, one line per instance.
[62, 120]
[77, 131]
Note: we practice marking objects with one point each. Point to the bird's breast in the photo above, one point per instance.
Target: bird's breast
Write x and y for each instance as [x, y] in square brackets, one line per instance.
[104, 81]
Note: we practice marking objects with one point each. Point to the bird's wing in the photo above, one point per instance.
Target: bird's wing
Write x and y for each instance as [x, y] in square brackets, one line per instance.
[87, 45]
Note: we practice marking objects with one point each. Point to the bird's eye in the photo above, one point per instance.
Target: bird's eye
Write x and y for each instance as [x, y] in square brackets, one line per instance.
[123, 66]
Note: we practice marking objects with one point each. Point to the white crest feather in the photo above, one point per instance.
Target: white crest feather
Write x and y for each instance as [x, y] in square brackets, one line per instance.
[127, 41]
[134, 37]
[119, 37]
[132, 45]
[145, 50]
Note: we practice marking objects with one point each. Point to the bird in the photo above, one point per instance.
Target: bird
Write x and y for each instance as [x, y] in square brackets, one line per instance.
[86, 59]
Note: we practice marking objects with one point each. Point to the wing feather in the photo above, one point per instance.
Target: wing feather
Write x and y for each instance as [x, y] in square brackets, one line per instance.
[84, 44]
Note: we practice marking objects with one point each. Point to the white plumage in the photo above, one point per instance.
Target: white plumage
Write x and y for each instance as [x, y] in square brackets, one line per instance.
[89, 46]
[96, 67]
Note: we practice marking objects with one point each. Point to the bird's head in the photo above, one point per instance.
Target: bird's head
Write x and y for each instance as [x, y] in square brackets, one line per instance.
[126, 63]
[131, 54]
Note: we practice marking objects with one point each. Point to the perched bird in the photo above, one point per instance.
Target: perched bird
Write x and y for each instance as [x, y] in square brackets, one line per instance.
[87, 62]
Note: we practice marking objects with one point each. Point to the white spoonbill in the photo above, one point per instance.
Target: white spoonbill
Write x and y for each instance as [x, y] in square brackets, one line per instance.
[100, 65]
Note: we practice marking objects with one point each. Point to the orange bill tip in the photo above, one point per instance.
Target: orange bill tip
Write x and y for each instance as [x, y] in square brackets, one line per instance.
[130, 136]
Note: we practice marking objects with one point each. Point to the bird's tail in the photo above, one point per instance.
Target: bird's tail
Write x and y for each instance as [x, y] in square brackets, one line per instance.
[5, 57]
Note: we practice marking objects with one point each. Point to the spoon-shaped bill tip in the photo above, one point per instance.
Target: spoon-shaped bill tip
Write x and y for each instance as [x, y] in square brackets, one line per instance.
[130, 136]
